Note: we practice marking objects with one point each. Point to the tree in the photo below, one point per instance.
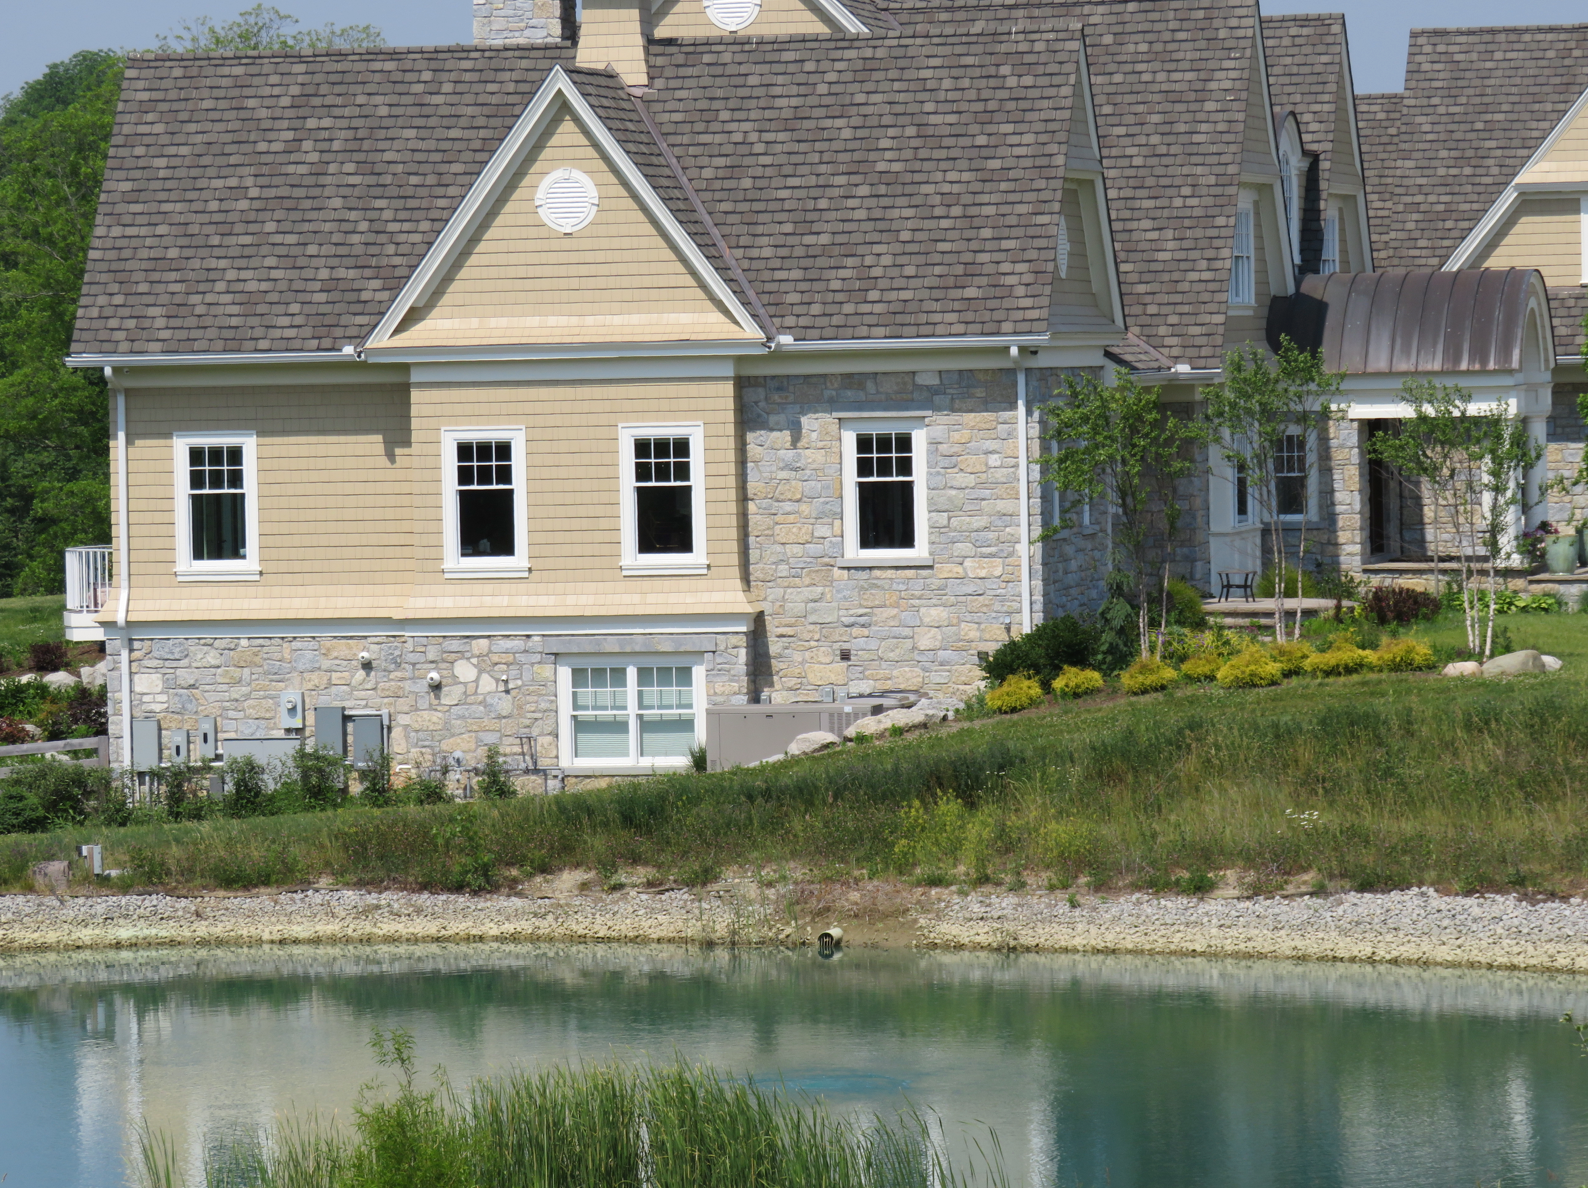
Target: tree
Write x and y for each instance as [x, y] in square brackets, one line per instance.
[1119, 444]
[1268, 417]
[264, 28]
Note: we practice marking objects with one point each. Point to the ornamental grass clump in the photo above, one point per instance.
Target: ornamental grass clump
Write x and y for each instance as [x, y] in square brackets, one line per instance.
[1017, 693]
[1291, 657]
[1343, 658]
[1077, 682]
[1148, 675]
[1252, 669]
[1403, 655]
[1203, 667]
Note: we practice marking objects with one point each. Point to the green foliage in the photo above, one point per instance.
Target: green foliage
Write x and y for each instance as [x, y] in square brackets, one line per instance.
[1185, 606]
[52, 794]
[375, 788]
[315, 778]
[1015, 694]
[426, 790]
[1119, 629]
[264, 28]
[1202, 667]
[1147, 675]
[1506, 602]
[1077, 682]
[975, 708]
[25, 621]
[1403, 655]
[494, 783]
[699, 760]
[944, 834]
[1252, 669]
[1343, 658]
[1268, 582]
[1291, 657]
[1044, 650]
[246, 788]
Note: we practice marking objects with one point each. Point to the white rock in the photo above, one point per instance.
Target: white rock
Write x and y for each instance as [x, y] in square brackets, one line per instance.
[1463, 668]
[60, 680]
[95, 675]
[813, 741]
[464, 670]
[906, 719]
[1552, 664]
[1513, 663]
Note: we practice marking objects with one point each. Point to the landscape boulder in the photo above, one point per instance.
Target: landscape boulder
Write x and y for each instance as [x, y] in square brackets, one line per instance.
[1552, 664]
[1513, 663]
[906, 719]
[49, 878]
[60, 680]
[1463, 668]
[96, 675]
[813, 741]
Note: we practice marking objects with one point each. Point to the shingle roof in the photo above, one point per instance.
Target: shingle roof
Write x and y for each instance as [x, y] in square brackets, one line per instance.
[1169, 86]
[1306, 59]
[267, 202]
[1477, 104]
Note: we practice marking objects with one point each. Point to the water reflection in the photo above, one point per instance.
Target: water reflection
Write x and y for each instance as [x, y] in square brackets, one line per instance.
[1094, 1070]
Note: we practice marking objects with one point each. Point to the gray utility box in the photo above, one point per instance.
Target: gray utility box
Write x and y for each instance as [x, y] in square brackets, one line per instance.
[739, 735]
[266, 750]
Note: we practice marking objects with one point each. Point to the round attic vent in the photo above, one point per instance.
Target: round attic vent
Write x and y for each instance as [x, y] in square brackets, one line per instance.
[732, 15]
[566, 200]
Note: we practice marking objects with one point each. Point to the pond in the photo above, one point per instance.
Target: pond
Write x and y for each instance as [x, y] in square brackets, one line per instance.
[1128, 1072]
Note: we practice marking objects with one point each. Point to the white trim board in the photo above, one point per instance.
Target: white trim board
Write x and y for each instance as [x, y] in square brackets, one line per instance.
[411, 628]
[557, 90]
[198, 358]
[1478, 238]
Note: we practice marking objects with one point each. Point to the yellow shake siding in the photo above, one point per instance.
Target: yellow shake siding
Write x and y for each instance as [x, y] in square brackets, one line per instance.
[1074, 298]
[1257, 155]
[687, 18]
[1542, 233]
[1343, 173]
[1567, 159]
[1251, 326]
[518, 281]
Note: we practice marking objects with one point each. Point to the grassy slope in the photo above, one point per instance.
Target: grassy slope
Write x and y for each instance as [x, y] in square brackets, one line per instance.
[1414, 779]
[25, 621]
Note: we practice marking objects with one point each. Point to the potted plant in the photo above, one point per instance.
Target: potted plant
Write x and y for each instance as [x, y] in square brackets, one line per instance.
[1560, 550]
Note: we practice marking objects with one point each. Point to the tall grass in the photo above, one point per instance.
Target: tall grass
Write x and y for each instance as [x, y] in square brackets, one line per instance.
[1413, 779]
[606, 1125]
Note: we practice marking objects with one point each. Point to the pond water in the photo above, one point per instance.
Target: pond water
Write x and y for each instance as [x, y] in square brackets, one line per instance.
[1117, 1071]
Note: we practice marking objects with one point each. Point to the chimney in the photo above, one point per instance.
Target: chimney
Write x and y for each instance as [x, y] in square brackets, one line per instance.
[613, 33]
[523, 22]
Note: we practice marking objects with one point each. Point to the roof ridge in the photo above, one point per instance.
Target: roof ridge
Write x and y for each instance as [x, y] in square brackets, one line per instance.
[287, 55]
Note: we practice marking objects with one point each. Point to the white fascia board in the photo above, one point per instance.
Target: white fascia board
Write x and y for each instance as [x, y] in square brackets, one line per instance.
[532, 353]
[1100, 188]
[969, 341]
[559, 625]
[841, 16]
[558, 87]
[1192, 375]
[1477, 239]
[1356, 152]
[212, 359]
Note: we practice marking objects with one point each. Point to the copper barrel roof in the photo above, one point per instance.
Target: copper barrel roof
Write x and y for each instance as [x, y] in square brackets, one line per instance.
[1416, 320]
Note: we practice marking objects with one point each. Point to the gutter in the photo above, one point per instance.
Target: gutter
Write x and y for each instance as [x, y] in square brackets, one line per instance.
[199, 358]
[123, 563]
[1025, 492]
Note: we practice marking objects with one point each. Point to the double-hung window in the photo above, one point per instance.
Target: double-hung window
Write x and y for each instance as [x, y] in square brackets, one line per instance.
[885, 490]
[1330, 261]
[483, 509]
[1290, 476]
[217, 513]
[630, 711]
[1243, 278]
[664, 499]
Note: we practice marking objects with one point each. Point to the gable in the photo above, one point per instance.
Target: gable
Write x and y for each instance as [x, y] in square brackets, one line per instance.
[687, 18]
[1257, 146]
[517, 280]
[1544, 231]
[1343, 171]
[1566, 160]
[1080, 292]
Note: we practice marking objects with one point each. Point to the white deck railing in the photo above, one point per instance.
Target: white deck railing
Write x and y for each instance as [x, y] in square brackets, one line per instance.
[87, 578]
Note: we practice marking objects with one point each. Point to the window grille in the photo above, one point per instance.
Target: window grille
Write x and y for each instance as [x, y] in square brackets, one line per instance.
[1242, 286]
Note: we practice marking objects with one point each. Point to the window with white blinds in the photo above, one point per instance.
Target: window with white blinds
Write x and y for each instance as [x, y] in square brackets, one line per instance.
[1243, 289]
[630, 711]
[1330, 261]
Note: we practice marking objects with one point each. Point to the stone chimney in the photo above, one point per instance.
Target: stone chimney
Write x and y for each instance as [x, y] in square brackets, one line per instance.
[613, 33]
[523, 22]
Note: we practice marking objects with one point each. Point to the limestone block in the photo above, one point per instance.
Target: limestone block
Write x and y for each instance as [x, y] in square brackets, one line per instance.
[247, 658]
[96, 675]
[426, 720]
[341, 649]
[147, 682]
[812, 742]
[826, 674]
[464, 670]
[984, 567]
[453, 694]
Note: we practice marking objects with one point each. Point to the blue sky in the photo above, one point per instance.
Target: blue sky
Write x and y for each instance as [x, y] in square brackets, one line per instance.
[38, 32]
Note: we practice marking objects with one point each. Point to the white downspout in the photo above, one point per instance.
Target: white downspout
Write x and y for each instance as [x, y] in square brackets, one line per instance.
[1025, 491]
[123, 564]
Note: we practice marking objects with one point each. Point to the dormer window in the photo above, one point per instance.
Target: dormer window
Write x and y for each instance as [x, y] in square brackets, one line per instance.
[1330, 260]
[1242, 262]
[1287, 186]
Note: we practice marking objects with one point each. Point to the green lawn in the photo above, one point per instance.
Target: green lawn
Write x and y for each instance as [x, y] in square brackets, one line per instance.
[1371, 782]
[25, 621]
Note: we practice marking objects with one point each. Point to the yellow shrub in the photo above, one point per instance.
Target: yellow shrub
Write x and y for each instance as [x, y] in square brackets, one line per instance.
[1342, 659]
[1403, 655]
[1204, 666]
[1148, 676]
[1291, 657]
[1252, 669]
[1015, 694]
[1077, 682]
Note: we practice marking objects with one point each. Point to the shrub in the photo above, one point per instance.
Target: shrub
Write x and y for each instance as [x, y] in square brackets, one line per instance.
[1203, 666]
[78, 712]
[14, 733]
[40, 796]
[47, 656]
[374, 780]
[427, 790]
[1252, 669]
[494, 782]
[1399, 604]
[975, 708]
[1267, 582]
[1015, 694]
[246, 789]
[1291, 657]
[1185, 606]
[1044, 651]
[1342, 659]
[1118, 632]
[180, 784]
[1403, 655]
[1148, 675]
[1077, 682]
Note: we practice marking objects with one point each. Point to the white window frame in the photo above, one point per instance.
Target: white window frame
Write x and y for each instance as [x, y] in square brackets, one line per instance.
[1243, 289]
[455, 565]
[695, 661]
[245, 569]
[635, 563]
[1310, 461]
[921, 554]
[1329, 258]
[1582, 208]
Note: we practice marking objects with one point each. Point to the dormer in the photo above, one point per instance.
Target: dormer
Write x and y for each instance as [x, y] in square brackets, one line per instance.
[1293, 165]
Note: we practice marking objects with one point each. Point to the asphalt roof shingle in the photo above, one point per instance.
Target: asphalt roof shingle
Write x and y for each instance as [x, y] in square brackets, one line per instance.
[1306, 62]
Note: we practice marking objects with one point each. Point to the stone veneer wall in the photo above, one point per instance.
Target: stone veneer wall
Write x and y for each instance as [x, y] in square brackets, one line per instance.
[1337, 537]
[522, 22]
[493, 688]
[905, 628]
[1563, 455]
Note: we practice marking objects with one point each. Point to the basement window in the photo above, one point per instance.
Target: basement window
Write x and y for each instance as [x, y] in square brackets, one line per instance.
[217, 506]
[630, 711]
[484, 502]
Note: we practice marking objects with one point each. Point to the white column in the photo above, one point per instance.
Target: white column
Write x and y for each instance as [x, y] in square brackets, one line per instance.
[1533, 486]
